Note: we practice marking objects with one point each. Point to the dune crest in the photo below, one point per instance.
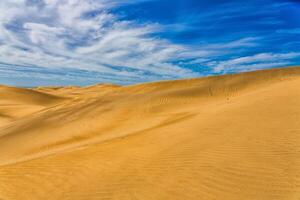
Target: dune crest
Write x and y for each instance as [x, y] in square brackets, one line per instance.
[222, 137]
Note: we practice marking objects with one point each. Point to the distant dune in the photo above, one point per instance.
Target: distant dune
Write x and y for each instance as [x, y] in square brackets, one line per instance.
[232, 137]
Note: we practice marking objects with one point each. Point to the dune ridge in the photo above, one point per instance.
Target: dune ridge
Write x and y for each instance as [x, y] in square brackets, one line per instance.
[221, 137]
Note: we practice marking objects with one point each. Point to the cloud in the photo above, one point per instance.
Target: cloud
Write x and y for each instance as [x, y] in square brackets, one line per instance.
[258, 61]
[41, 34]
[80, 34]
[240, 43]
[289, 31]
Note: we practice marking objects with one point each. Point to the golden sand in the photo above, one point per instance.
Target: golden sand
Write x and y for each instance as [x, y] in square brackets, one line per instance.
[234, 137]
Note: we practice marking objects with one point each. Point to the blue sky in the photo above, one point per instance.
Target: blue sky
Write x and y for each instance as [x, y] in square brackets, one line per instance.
[82, 42]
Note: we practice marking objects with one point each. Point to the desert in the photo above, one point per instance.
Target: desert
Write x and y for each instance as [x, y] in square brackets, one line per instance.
[233, 136]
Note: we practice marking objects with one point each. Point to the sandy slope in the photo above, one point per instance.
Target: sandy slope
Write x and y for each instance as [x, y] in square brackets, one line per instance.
[16, 103]
[228, 137]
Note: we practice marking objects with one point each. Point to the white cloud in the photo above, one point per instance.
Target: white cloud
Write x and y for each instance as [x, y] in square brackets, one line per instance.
[289, 31]
[83, 34]
[258, 61]
[244, 42]
[42, 34]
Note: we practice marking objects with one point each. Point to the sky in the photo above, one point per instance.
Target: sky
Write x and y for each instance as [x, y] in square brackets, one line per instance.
[83, 42]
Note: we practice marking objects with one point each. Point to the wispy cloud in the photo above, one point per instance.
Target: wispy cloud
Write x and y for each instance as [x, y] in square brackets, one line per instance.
[289, 31]
[258, 61]
[84, 35]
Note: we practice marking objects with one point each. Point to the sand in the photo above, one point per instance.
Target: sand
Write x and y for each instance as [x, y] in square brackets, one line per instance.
[224, 137]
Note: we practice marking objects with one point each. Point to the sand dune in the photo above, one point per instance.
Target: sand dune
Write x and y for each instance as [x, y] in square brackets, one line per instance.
[224, 137]
[16, 103]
